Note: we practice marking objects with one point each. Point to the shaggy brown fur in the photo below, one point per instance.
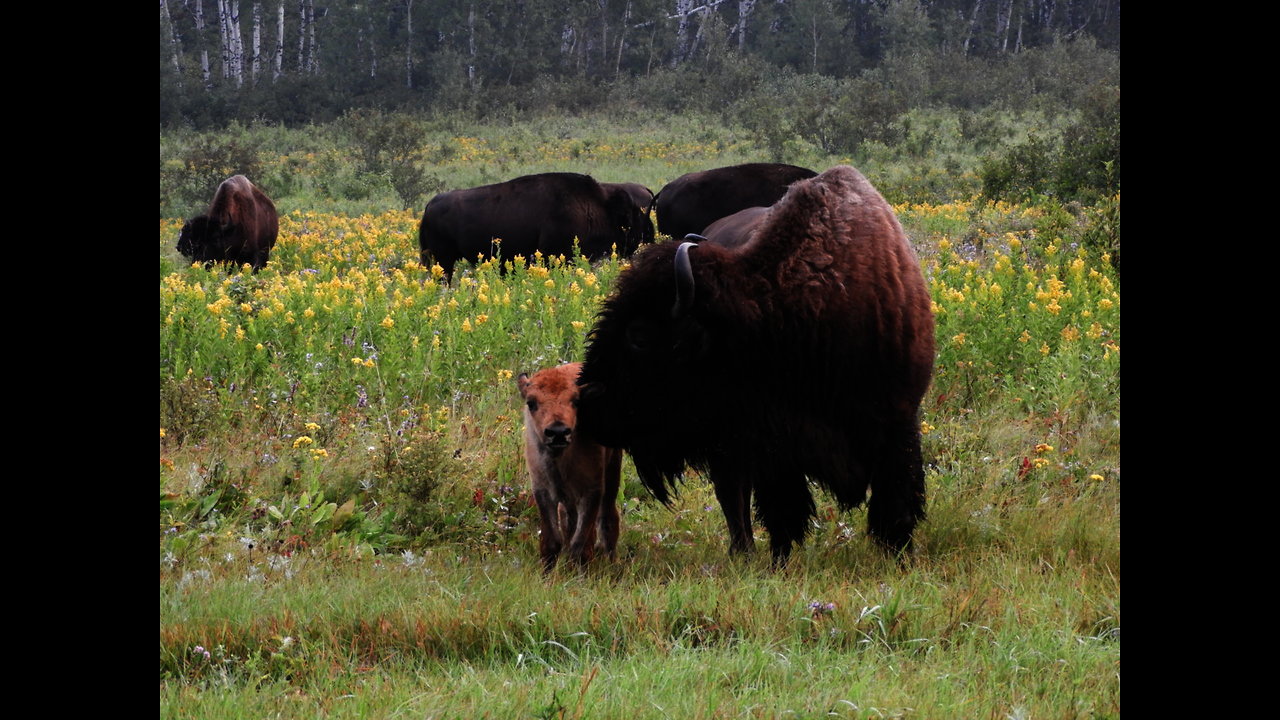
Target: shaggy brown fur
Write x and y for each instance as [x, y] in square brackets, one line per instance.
[693, 201]
[801, 353]
[532, 213]
[240, 227]
[575, 480]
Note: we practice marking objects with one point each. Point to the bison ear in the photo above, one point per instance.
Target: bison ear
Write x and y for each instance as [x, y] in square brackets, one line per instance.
[522, 382]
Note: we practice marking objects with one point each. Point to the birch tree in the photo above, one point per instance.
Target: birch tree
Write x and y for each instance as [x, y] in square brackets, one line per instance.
[175, 46]
[279, 64]
[257, 40]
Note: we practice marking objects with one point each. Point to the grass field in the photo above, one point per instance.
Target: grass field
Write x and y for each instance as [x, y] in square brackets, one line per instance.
[346, 527]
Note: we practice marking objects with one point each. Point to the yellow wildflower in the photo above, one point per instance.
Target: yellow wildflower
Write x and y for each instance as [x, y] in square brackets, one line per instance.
[302, 441]
[368, 362]
[1044, 448]
[1070, 333]
[246, 307]
[926, 428]
[387, 322]
[1025, 337]
[1096, 477]
[958, 339]
[578, 324]
[312, 426]
[258, 347]
[319, 453]
[356, 361]
[1040, 462]
[162, 433]
[435, 341]
[466, 325]
[1044, 349]
[504, 374]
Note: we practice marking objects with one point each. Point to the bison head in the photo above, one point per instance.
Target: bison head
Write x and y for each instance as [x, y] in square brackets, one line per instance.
[202, 239]
[649, 383]
[550, 406]
[634, 220]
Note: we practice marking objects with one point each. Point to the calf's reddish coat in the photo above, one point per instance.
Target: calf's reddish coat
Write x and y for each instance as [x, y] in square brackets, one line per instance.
[575, 480]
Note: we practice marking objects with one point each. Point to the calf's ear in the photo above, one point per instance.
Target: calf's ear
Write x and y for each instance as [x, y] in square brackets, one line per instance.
[522, 382]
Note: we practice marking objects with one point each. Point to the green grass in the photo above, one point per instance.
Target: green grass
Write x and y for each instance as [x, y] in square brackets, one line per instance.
[346, 526]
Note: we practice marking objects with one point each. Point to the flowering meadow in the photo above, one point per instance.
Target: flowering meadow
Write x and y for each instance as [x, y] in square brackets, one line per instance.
[346, 527]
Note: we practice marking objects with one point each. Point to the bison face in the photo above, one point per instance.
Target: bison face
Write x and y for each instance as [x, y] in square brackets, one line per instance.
[201, 239]
[647, 363]
[551, 407]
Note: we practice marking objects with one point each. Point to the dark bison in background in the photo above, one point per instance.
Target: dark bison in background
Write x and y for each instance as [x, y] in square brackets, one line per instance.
[691, 202]
[798, 353]
[532, 213]
[240, 227]
[640, 195]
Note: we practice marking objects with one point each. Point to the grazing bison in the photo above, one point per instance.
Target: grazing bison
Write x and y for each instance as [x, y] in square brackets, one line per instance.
[800, 354]
[240, 227]
[532, 213]
[691, 202]
[575, 480]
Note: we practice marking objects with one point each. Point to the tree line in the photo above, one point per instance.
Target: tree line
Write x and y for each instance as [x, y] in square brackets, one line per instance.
[296, 61]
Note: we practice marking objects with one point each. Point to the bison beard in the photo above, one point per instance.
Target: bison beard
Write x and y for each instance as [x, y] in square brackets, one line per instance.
[801, 353]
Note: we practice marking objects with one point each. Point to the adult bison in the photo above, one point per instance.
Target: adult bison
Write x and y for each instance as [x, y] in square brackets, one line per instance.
[240, 227]
[531, 213]
[691, 202]
[800, 353]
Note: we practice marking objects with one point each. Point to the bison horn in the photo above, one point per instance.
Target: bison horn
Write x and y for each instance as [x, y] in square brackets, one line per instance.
[684, 279]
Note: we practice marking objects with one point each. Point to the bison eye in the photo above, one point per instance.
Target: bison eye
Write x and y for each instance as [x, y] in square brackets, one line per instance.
[639, 336]
[533, 406]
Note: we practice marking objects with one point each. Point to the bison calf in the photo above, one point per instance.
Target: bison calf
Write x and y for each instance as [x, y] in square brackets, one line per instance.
[575, 480]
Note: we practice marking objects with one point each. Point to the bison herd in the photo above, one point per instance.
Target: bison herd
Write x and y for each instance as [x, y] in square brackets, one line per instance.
[788, 340]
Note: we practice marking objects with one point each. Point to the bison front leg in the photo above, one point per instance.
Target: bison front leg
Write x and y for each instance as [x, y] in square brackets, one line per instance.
[550, 540]
[583, 526]
[784, 505]
[897, 501]
[609, 519]
[734, 493]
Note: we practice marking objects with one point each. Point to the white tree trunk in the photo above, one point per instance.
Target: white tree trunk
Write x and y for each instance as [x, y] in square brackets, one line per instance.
[257, 40]
[224, 39]
[744, 14]
[237, 41]
[471, 46]
[682, 30]
[622, 38]
[302, 36]
[973, 21]
[408, 45]
[175, 46]
[279, 68]
[313, 60]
